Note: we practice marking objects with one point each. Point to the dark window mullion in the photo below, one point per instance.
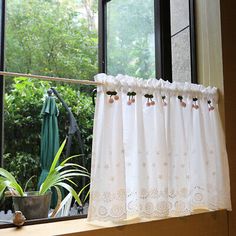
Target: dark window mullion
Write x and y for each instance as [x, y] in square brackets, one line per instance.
[102, 35]
[158, 30]
[193, 41]
[163, 40]
[2, 38]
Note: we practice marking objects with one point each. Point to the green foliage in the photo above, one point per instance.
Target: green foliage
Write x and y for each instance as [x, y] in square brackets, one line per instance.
[131, 38]
[52, 37]
[22, 116]
[23, 122]
[58, 176]
[55, 38]
[23, 166]
[7, 180]
[86, 187]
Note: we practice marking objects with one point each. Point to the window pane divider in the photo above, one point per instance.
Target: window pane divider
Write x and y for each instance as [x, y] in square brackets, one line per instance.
[2, 83]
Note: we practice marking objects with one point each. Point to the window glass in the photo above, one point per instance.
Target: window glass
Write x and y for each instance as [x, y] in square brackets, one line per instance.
[130, 38]
[54, 38]
[180, 41]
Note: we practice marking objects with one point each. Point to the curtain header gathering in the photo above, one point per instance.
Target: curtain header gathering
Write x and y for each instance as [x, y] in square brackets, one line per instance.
[126, 83]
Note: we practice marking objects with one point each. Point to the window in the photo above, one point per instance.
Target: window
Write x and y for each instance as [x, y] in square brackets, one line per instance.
[130, 38]
[153, 38]
[54, 38]
[182, 41]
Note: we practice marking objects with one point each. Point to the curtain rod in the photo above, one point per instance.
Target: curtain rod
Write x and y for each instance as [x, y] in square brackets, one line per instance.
[48, 78]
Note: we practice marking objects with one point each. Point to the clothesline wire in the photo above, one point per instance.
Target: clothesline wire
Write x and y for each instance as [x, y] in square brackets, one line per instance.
[49, 78]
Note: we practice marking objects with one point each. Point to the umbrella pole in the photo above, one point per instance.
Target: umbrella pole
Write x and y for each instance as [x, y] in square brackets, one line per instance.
[83, 158]
[73, 129]
[68, 148]
[68, 145]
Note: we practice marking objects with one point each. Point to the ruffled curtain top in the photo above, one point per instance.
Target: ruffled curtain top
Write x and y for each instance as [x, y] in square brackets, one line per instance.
[127, 83]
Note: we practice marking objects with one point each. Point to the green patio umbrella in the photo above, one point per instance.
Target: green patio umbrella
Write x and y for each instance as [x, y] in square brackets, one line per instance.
[49, 139]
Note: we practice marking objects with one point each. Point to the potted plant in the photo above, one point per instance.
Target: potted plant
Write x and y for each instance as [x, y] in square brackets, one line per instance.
[36, 204]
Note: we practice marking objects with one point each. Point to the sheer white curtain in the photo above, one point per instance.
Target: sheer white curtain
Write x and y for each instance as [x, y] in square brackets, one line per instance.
[156, 160]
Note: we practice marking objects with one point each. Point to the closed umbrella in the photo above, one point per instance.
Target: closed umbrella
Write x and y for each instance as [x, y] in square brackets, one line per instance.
[49, 138]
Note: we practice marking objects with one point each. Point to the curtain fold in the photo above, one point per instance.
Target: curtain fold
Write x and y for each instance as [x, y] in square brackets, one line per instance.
[158, 150]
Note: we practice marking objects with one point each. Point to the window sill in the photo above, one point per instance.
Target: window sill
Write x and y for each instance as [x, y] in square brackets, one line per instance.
[75, 227]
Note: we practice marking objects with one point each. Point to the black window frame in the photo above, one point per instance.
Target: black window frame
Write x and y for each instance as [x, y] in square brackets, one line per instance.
[193, 47]
[2, 80]
[162, 25]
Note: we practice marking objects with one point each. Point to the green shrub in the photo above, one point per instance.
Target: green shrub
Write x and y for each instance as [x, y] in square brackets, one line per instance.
[22, 166]
[23, 104]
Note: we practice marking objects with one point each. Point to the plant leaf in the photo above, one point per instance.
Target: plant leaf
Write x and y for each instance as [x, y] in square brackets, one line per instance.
[67, 159]
[72, 175]
[10, 181]
[52, 178]
[7, 175]
[54, 163]
[26, 185]
[71, 164]
[2, 189]
[80, 192]
[71, 190]
[87, 195]
[59, 198]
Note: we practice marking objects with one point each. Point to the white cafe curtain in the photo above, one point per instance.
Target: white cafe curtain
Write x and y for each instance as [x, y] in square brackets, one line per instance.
[158, 150]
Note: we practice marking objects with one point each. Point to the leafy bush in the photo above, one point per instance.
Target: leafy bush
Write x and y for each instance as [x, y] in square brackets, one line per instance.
[23, 166]
[52, 38]
[23, 105]
[22, 116]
